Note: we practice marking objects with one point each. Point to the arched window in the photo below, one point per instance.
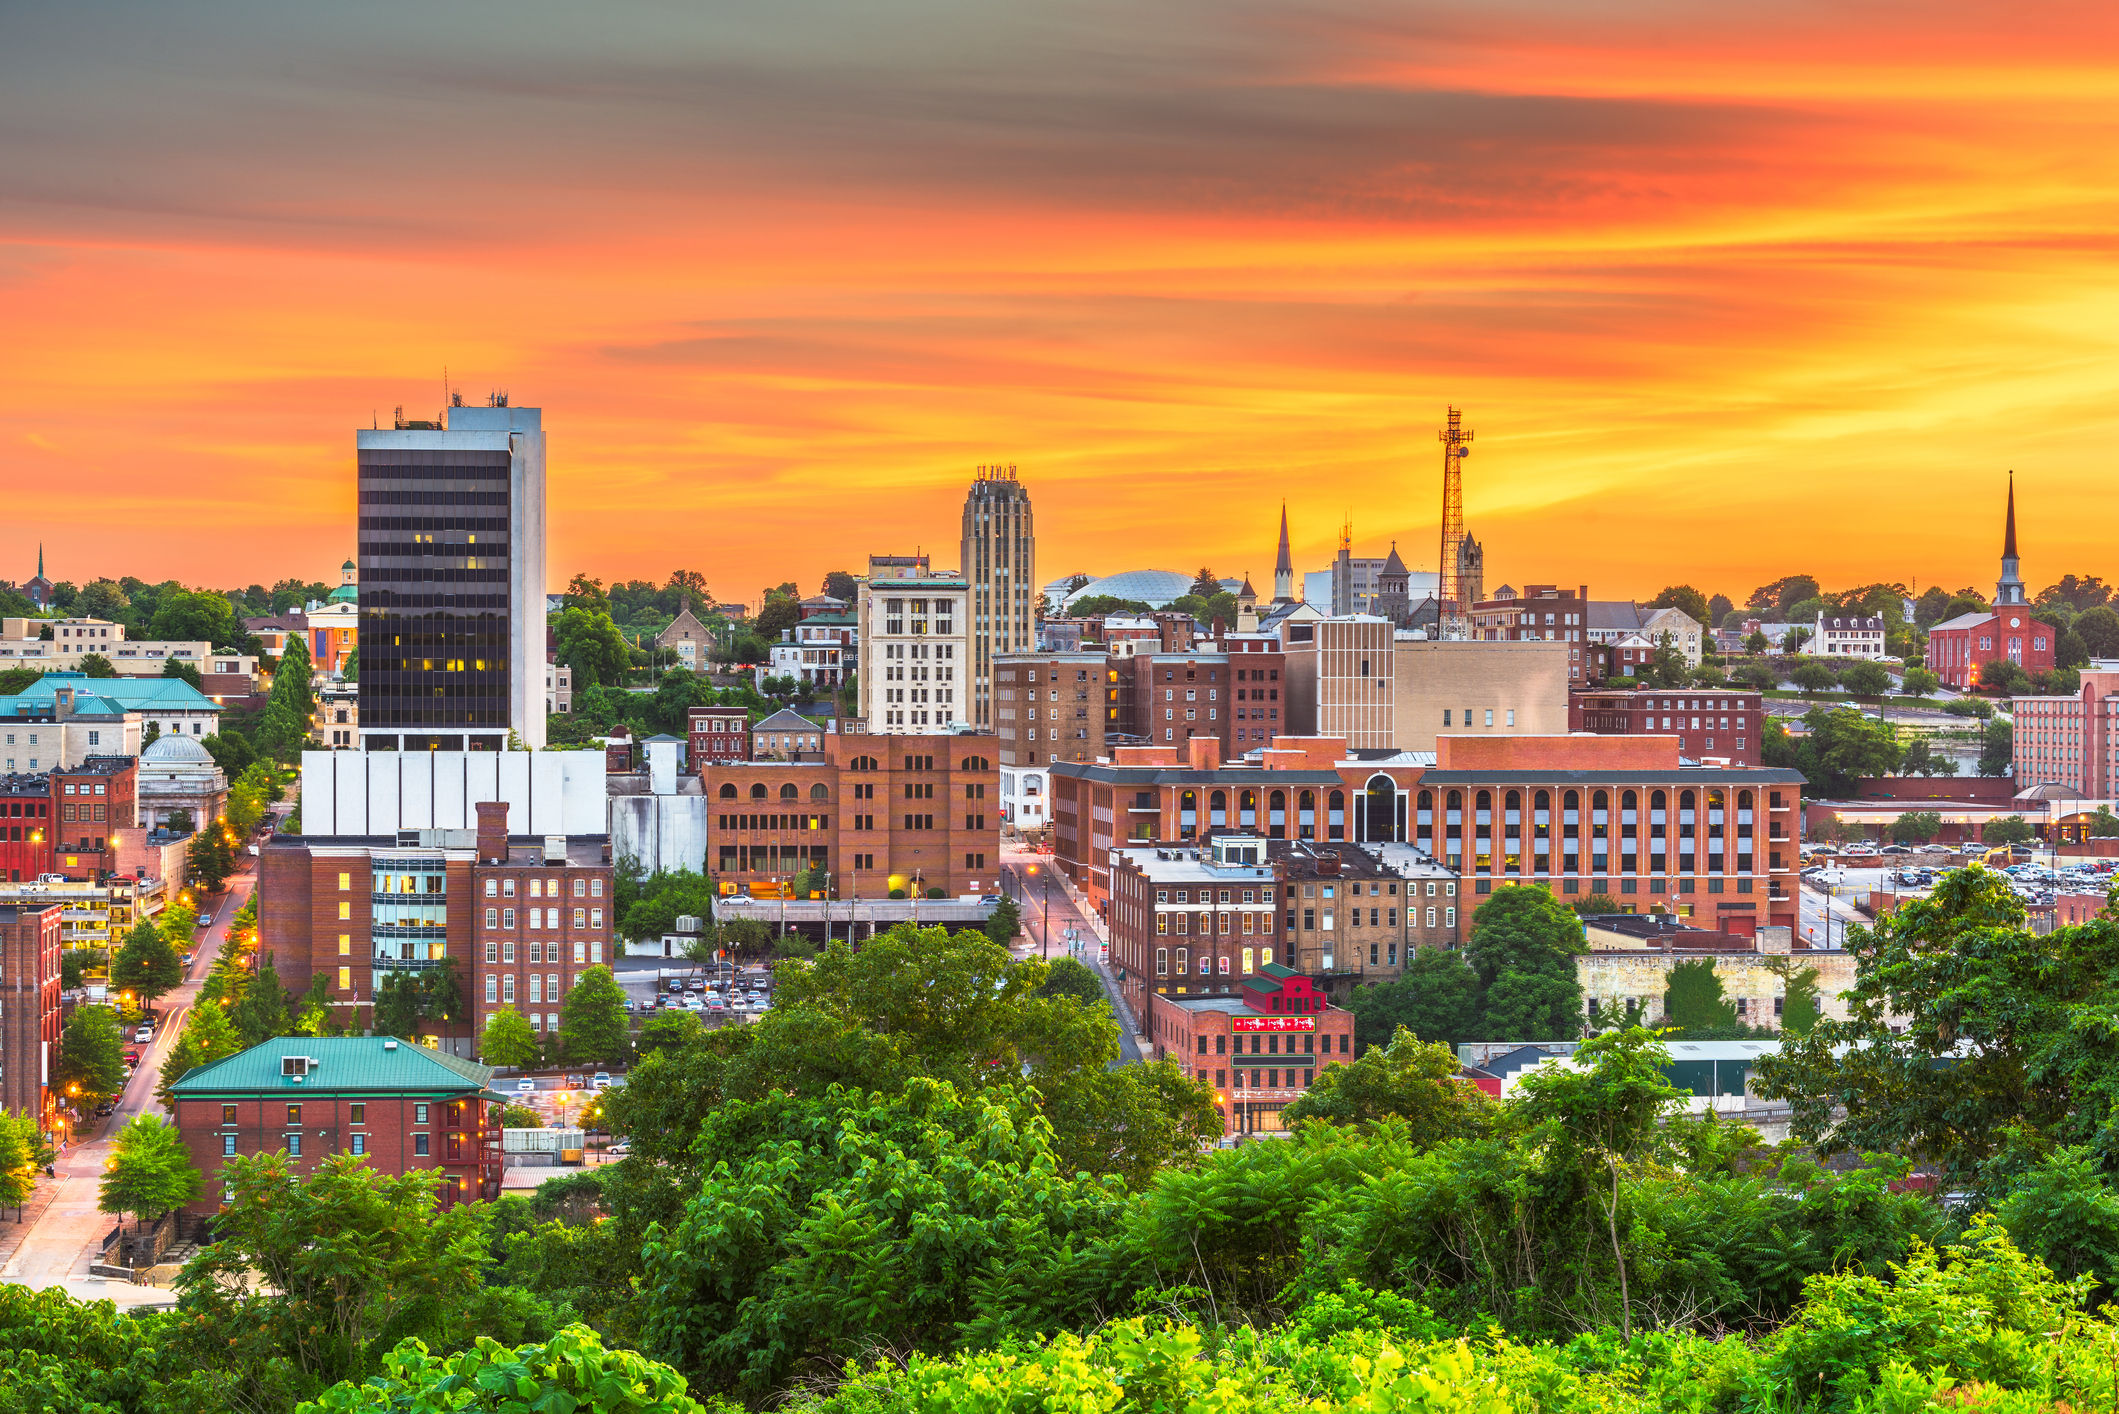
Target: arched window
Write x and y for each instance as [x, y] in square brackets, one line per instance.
[1542, 800]
[1338, 800]
[1657, 800]
[1515, 800]
[1456, 800]
[1600, 801]
[789, 792]
[728, 790]
[819, 791]
[1743, 800]
[863, 763]
[1629, 800]
[757, 791]
[1571, 801]
[976, 763]
[1427, 800]
[1485, 800]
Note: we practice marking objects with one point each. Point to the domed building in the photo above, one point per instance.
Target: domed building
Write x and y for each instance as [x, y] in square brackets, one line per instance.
[177, 773]
[348, 591]
[1155, 588]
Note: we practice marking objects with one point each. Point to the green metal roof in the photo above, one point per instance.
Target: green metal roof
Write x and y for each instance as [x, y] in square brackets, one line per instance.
[129, 693]
[340, 1065]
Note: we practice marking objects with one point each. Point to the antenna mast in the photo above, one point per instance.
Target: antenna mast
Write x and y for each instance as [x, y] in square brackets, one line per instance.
[1456, 443]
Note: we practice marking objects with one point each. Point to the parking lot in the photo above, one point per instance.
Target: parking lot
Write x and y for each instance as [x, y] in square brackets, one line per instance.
[716, 993]
[1853, 877]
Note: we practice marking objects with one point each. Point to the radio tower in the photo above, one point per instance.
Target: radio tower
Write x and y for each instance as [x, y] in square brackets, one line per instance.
[1456, 445]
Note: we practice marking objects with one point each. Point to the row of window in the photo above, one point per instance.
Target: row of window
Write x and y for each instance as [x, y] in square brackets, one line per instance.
[586, 954]
[540, 987]
[1253, 959]
[544, 918]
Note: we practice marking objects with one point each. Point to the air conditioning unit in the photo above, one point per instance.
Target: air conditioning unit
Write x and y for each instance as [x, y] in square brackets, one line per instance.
[688, 923]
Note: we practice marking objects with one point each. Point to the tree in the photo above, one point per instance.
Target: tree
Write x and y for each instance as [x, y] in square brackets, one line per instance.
[1800, 1009]
[1759, 677]
[1131, 1121]
[1687, 601]
[1692, 999]
[17, 680]
[1065, 977]
[1865, 679]
[592, 1022]
[1596, 906]
[1719, 608]
[571, 1371]
[1003, 923]
[210, 858]
[647, 908]
[2009, 829]
[101, 599]
[840, 584]
[1964, 1042]
[283, 730]
[589, 643]
[1667, 667]
[185, 614]
[351, 1256]
[1919, 682]
[2002, 678]
[2103, 822]
[147, 964]
[1522, 947]
[76, 963]
[182, 672]
[1997, 747]
[1843, 746]
[777, 615]
[1409, 1080]
[1813, 676]
[22, 1152]
[263, 1011]
[1436, 999]
[95, 665]
[669, 1030]
[350, 669]
[1916, 827]
[508, 1040]
[2098, 628]
[150, 1171]
[208, 1036]
[232, 752]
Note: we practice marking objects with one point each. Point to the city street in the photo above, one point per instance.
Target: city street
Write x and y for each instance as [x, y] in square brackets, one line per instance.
[1048, 911]
[59, 1248]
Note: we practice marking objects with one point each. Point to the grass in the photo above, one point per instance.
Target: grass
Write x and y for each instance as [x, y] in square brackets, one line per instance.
[1841, 699]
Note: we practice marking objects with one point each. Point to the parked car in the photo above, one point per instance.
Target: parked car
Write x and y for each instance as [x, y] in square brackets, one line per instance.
[205, 920]
[675, 984]
[697, 984]
[601, 1080]
[108, 1107]
[132, 1057]
[575, 1082]
[526, 1086]
[142, 1036]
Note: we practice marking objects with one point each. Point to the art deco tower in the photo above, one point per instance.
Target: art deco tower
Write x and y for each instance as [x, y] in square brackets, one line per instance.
[1000, 568]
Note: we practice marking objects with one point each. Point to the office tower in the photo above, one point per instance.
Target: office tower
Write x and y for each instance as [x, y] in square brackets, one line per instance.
[1000, 566]
[916, 639]
[452, 581]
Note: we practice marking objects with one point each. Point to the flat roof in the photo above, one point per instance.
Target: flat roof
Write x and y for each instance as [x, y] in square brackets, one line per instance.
[1694, 775]
[1185, 776]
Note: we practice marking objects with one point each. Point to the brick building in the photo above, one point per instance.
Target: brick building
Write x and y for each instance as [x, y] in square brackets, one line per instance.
[1349, 913]
[1623, 815]
[1722, 724]
[29, 1007]
[717, 734]
[1541, 611]
[1047, 707]
[25, 826]
[877, 812]
[517, 920]
[1169, 698]
[402, 1107]
[1259, 1047]
[2071, 741]
[1958, 648]
[91, 802]
[1341, 679]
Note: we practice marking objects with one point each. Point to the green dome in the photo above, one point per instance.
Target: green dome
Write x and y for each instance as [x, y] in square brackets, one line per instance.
[344, 594]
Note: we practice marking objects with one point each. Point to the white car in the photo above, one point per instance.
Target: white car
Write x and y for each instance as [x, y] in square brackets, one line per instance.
[526, 1086]
[142, 1036]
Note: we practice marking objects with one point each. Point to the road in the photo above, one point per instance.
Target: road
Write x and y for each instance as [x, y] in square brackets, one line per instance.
[1048, 911]
[58, 1250]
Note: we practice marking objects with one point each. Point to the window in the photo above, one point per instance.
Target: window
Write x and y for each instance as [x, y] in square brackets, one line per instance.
[227, 1145]
[294, 1146]
[345, 913]
[419, 1114]
[356, 1114]
[345, 881]
[359, 1144]
[345, 979]
[294, 1114]
[345, 945]
[419, 1143]
[228, 1114]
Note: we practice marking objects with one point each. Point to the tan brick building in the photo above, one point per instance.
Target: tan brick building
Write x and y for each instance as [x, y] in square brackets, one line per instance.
[1340, 679]
[1461, 688]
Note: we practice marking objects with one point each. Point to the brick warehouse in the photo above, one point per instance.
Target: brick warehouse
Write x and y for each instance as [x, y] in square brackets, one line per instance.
[1622, 815]
[1721, 723]
[1259, 1046]
[29, 1008]
[400, 1106]
[877, 812]
[516, 920]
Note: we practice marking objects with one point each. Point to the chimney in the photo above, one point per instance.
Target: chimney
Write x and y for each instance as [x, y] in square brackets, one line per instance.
[492, 831]
[1203, 753]
[62, 703]
[1327, 863]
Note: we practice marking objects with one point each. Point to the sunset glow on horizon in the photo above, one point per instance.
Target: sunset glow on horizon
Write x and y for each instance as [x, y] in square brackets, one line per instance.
[780, 278]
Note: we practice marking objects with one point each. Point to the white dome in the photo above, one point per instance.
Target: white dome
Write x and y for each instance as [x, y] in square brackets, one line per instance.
[1155, 588]
[171, 749]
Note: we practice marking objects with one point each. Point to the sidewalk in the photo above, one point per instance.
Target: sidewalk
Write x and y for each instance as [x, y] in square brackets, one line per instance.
[12, 1234]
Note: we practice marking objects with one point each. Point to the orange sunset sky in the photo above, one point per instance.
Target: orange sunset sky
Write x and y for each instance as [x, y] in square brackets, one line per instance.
[1727, 292]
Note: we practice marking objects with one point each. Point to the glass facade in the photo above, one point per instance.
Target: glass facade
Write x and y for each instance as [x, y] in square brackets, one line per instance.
[434, 597]
[408, 914]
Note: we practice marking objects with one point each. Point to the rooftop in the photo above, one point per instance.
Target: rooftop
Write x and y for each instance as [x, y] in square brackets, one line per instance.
[132, 693]
[336, 1065]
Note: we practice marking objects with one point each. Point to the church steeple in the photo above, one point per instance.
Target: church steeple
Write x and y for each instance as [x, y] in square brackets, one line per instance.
[1284, 565]
[2009, 588]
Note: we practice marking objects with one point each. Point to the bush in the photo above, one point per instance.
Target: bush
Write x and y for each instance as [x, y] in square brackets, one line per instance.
[1969, 707]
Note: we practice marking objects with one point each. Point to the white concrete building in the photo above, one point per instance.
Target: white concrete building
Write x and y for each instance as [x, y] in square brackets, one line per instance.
[1846, 636]
[915, 644]
[382, 792]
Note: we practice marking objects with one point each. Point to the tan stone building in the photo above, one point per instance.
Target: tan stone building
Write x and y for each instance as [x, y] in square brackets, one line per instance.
[1630, 960]
[1340, 680]
[1470, 688]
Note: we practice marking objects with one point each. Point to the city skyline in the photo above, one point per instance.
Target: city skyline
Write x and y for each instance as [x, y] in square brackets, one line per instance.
[1684, 280]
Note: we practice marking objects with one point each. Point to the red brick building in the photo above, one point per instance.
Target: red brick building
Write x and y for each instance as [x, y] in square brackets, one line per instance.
[1541, 611]
[29, 1007]
[25, 826]
[400, 1106]
[1958, 648]
[1623, 815]
[1722, 724]
[717, 734]
[1259, 1047]
[91, 802]
[516, 919]
[877, 812]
